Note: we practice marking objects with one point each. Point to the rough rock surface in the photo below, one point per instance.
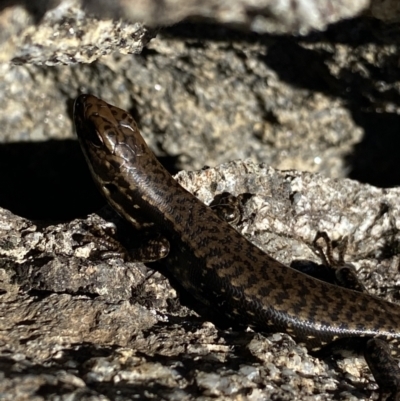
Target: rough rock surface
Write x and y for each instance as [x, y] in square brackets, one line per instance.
[73, 327]
[93, 328]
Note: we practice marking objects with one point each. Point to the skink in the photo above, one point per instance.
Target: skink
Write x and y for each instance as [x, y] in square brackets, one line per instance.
[209, 258]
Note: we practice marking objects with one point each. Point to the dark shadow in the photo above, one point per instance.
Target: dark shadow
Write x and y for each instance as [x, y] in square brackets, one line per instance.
[47, 181]
[203, 31]
[354, 32]
[50, 180]
[301, 67]
[375, 160]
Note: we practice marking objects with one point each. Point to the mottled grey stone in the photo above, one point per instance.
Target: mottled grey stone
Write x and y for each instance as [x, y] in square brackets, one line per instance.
[73, 323]
[72, 327]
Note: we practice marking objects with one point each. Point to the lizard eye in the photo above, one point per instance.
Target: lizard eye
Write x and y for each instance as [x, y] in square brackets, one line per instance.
[90, 133]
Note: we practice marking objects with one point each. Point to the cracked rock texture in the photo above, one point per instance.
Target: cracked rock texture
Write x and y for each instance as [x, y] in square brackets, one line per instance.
[203, 93]
[96, 329]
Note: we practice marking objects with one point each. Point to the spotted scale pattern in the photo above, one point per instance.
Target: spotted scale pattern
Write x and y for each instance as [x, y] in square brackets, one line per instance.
[209, 258]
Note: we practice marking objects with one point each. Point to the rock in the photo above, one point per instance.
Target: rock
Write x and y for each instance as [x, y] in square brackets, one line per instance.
[78, 323]
[203, 94]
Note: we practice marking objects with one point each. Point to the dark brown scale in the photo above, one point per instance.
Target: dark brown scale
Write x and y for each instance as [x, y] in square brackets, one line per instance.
[251, 279]
[210, 259]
